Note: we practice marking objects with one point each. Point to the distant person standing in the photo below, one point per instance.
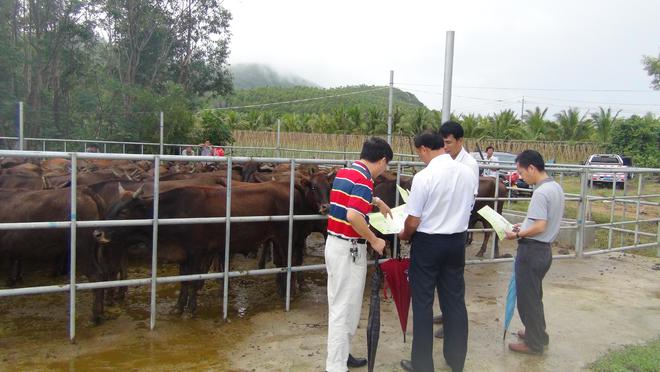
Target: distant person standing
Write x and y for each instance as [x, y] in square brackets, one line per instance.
[534, 256]
[491, 160]
[188, 151]
[207, 148]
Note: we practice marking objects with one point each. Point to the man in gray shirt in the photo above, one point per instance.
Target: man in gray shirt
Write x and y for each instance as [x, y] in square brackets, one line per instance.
[534, 257]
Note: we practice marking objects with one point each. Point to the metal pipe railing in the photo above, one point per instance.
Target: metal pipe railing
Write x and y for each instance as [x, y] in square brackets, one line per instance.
[154, 280]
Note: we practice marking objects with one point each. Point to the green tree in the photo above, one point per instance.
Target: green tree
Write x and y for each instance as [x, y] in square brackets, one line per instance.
[573, 126]
[603, 122]
[472, 126]
[652, 67]
[503, 125]
[537, 127]
[211, 126]
[638, 137]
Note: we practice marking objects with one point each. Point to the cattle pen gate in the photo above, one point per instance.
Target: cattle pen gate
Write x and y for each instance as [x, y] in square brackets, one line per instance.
[636, 231]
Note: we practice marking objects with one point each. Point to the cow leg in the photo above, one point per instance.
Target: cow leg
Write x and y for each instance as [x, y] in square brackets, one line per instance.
[200, 266]
[484, 244]
[97, 306]
[183, 292]
[469, 238]
[15, 272]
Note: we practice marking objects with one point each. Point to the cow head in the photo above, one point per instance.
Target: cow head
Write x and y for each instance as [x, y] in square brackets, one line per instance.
[128, 206]
[317, 192]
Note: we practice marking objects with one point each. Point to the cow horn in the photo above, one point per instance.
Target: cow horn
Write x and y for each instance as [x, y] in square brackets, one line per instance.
[121, 189]
[127, 175]
[114, 171]
[138, 192]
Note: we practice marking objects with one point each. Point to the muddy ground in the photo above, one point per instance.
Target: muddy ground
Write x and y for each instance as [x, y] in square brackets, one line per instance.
[592, 305]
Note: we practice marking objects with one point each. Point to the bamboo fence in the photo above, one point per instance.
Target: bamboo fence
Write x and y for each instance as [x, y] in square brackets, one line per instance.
[561, 152]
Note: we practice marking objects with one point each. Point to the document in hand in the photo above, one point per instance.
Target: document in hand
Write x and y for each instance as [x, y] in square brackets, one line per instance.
[391, 225]
[388, 225]
[499, 223]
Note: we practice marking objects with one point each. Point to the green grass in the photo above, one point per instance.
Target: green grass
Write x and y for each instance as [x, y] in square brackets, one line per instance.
[638, 358]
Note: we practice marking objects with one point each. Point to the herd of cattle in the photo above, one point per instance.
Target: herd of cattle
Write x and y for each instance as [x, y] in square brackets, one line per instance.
[38, 191]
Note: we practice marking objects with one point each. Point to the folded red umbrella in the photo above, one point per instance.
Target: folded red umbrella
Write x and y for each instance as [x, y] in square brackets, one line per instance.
[396, 275]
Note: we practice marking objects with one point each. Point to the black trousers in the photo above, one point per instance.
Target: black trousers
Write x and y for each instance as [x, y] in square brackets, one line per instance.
[438, 261]
[532, 263]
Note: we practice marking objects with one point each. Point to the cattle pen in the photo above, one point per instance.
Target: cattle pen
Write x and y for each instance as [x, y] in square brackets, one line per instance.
[638, 230]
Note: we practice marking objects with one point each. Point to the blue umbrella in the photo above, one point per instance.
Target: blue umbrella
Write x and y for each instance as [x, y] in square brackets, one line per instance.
[510, 301]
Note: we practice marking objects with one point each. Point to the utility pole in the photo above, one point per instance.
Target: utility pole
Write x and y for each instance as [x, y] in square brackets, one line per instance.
[446, 88]
[522, 108]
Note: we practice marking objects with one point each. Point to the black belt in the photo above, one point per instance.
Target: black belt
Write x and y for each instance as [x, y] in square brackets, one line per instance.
[359, 241]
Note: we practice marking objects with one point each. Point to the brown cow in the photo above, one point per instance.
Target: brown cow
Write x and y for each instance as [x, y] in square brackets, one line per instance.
[487, 190]
[51, 245]
[194, 246]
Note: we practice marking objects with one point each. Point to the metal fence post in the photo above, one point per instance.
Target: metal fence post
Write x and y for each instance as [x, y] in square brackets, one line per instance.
[395, 240]
[21, 127]
[225, 284]
[497, 197]
[612, 208]
[582, 206]
[279, 152]
[290, 244]
[637, 210]
[72, 263]
[154, 243]
[161, 133]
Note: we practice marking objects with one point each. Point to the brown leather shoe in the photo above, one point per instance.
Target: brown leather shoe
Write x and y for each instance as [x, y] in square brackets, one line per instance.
[523, 349]
[521, 335]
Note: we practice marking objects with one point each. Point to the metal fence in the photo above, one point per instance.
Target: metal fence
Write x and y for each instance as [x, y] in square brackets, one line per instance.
[578, 224]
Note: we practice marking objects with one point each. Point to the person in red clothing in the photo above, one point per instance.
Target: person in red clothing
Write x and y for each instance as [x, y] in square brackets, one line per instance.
[351, 199]
[218, 151]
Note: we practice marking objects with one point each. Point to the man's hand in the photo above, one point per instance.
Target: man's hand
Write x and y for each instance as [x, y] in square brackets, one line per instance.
[510, 235]
[378, 245]
[382, 207]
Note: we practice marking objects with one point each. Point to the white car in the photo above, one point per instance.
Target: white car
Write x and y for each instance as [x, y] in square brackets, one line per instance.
[604, 177]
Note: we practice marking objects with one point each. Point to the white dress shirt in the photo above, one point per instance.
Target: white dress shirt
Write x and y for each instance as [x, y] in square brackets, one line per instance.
[442, 196]
[467, 159]
[493, 160]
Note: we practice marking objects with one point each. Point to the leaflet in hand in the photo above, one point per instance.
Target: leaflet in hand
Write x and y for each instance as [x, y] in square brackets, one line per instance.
[388, 225]
[499, 223]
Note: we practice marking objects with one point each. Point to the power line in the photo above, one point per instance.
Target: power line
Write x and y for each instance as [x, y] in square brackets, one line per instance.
[295, 101]
[534, 89]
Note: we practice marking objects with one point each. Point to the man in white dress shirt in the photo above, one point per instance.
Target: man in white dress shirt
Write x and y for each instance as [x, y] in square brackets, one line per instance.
[438, 211]
[452, 136]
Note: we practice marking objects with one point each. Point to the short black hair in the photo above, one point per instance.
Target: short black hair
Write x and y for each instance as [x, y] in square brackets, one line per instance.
[531, 157]
[375, 149]
[453, 128]
[429, 138]
[490, 147]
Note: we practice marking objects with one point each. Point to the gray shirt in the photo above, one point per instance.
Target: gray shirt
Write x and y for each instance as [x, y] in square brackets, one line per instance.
[547, 204]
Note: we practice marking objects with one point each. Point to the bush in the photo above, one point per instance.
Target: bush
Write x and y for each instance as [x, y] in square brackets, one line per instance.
[639, 138]
[213, 127]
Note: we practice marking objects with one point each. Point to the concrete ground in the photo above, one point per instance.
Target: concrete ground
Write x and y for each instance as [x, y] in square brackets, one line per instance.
[592, 305]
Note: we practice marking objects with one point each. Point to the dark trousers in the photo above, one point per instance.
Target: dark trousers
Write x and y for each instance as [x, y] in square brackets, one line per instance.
[438, 261]
[532, 263]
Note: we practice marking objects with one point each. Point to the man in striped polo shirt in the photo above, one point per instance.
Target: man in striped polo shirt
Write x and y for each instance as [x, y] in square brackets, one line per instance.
[351, 199]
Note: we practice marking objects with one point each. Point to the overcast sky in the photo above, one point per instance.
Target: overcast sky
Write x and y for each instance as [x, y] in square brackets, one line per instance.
[551, 48]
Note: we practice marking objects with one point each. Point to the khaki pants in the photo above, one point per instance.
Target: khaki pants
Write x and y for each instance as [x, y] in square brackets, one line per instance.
[345, 292]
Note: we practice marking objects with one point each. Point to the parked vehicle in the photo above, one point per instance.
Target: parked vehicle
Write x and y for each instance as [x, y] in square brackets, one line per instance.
[605, 178]
[510, 177]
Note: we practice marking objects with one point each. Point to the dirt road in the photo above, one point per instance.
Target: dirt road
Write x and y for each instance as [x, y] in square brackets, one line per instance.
[591, 305]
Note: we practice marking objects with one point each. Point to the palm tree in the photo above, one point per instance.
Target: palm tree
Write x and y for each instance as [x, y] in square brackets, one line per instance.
[375, 121]
[603, 122]
[536, 127]
[418, 121]
[573, 126]
[471, 126]
[355, 119]
[503, 125]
